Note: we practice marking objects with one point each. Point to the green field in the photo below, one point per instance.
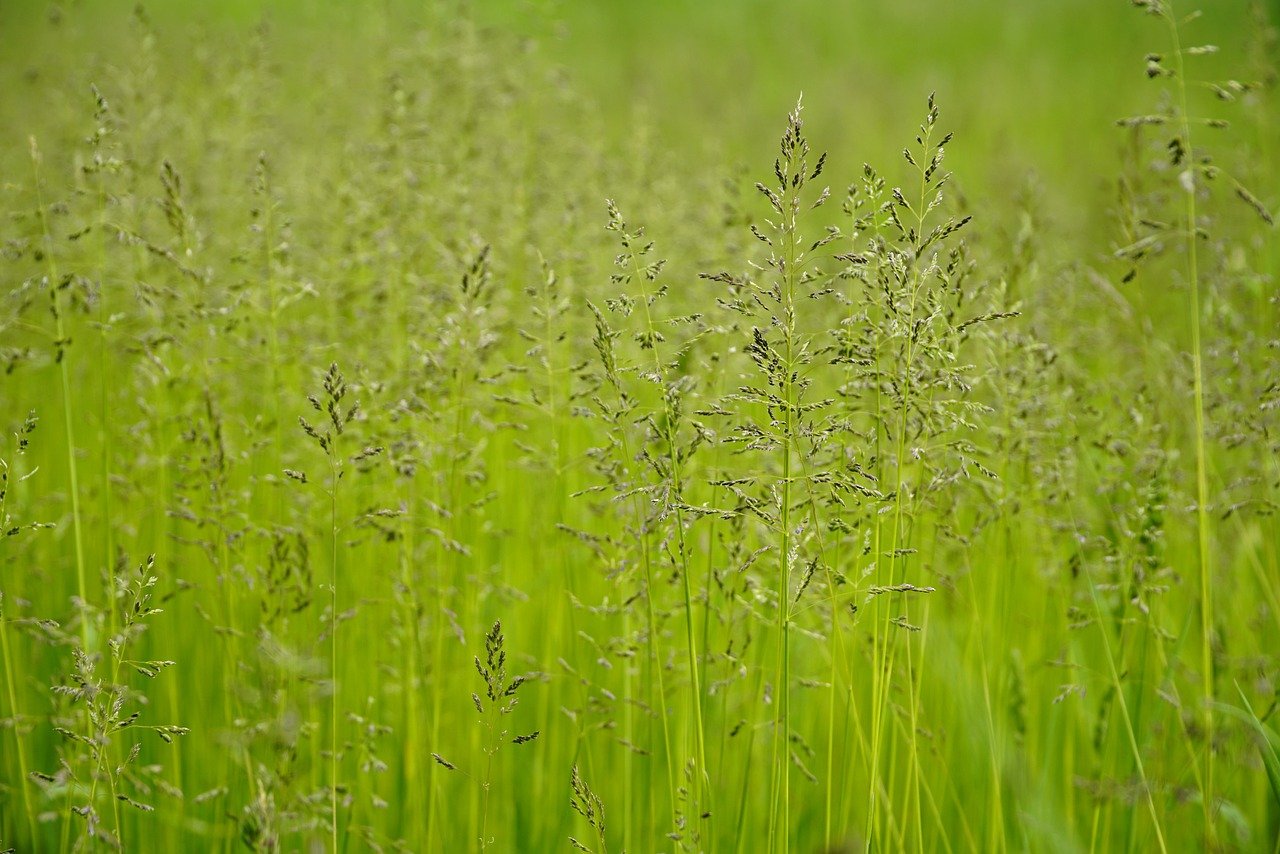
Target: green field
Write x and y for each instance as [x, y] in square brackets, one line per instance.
[528, 426]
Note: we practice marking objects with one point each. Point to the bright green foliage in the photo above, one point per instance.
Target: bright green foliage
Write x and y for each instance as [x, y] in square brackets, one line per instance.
[419, 433]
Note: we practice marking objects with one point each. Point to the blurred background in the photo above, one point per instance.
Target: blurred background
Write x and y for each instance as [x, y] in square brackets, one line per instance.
[1031, 89]
[236, 191]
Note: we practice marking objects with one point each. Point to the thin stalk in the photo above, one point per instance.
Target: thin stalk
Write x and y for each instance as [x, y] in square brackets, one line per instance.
[334, 474]
[676, 488]
[230, 699]
[877, 636]
[452, 501]
[749, 753]
[102, 743]
[455, 504]
[913, 770]
[410, 598]
[887, 650]
[64, 375]
[412, 610]
[654, 658]
[1202, 477]
[12, 689]
[437, 695]
[488, 778]
[1124, 712]
[565, 612]
[104, 421]
[1172, 685]
[628, 731]
[837, 655]
[827, 837]
[781, 744]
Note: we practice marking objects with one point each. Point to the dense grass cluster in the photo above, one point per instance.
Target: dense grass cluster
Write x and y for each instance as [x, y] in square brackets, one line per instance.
[373, 479]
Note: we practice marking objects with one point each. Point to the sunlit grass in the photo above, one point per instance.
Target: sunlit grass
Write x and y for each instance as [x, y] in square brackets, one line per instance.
[373, 480]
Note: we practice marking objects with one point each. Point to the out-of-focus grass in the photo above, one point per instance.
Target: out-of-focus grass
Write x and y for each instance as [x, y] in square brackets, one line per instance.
[1033, 86]
[417, 192]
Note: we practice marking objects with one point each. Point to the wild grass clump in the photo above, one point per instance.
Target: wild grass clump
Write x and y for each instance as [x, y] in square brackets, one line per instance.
[512, 482]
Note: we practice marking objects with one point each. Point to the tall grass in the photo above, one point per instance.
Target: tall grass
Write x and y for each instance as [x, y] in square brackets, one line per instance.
[856, 508]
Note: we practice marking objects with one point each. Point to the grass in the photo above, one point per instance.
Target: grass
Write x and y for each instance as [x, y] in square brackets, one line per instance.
[926, 505]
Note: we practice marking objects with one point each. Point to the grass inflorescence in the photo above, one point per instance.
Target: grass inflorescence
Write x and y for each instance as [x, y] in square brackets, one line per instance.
[504, 481]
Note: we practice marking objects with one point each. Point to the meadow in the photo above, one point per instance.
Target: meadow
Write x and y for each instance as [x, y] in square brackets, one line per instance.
[725, 427]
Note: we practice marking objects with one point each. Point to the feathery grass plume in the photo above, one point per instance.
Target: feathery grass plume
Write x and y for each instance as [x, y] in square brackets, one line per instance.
[668, 439]
[278, 681]
[337, 415]
[498, 701]
[1127, 580]
[620, 544]
[916, 304]
[367, 811]
[1002, 651]
[551, 388]
[104, 182]
[641, 384]
[97, 710]
[1170, 210]
[587, 804]
[546, 393]
[213, 518]
[778, 422]
[452, 404]
[73, 285]
[11, 477]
